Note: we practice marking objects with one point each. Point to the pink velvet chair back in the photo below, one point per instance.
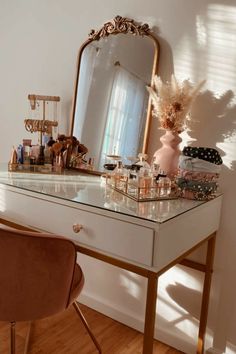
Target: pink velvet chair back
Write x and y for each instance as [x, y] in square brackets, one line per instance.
[36, 274]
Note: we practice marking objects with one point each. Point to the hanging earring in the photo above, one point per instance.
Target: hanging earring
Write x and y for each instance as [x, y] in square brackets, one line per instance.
[55, 115]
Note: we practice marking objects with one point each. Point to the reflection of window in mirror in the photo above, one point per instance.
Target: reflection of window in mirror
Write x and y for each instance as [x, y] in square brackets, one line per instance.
[86, 75]
[125, 117]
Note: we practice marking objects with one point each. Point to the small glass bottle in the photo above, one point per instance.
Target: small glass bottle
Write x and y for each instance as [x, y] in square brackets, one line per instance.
[145, 182]
[155, 168]
[90, 164]
[116, 175]
[133, 181]
[40, 159]
[142, 161]
[47, 155]
[26, 154]
[164, 186]
[13, 159]
[20, 152]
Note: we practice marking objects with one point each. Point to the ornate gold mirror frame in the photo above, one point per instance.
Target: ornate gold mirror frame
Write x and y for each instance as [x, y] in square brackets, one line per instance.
[120, 25]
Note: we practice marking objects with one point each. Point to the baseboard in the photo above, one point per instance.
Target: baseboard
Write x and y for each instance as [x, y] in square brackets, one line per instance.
[213, 350]
[230, 349]
[164, 335]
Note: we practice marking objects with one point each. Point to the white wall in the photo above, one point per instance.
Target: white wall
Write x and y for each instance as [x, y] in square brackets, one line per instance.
[39, 41]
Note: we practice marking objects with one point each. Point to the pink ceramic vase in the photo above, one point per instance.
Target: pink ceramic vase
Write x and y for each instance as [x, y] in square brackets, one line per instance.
[168, 155]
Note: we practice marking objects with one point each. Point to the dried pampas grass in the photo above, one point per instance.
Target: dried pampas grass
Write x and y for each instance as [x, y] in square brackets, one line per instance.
[172, 102]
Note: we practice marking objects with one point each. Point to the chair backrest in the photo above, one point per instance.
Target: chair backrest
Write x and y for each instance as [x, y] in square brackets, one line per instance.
[36, 272]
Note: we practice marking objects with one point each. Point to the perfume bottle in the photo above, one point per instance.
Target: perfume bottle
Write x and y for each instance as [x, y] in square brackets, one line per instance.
[164, 186]
[142, 161]
[133, 180]
[144, 182]
[122, 175]
[140, 177]
[116, 175]
[155, 168]
[135, 167]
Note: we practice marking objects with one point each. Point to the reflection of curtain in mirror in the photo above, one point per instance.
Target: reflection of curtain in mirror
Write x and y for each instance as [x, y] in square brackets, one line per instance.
[85, 81]
[126, 116]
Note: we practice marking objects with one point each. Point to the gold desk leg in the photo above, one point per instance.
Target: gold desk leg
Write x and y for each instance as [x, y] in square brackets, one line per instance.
[206, 293]
[150, 314]
[13, 337]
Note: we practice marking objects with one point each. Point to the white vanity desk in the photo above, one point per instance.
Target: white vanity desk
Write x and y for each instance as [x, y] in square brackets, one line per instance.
[146, 238]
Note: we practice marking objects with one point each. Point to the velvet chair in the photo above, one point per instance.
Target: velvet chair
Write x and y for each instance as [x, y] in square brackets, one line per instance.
[39, 277]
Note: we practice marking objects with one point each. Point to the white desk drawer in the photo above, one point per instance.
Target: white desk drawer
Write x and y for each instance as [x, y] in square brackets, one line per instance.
[119, 238]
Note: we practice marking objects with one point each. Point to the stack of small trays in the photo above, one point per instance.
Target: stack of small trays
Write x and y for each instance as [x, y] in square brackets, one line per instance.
[199, 169]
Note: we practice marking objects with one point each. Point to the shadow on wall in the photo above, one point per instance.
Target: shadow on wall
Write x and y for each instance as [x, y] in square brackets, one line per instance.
[191, 305]
[214, 125]
[207, 51]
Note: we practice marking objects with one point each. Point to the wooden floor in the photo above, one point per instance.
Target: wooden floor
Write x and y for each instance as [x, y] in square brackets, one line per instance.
[65, 334]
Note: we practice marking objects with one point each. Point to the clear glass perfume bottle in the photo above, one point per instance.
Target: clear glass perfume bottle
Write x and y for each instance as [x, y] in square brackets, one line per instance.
[142, 161]
[133, 181]
[155, 168]
[164, 186]
[145, 182]
[119, 177]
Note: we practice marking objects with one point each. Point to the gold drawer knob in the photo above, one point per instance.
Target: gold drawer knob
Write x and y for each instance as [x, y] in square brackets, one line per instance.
[77, 228]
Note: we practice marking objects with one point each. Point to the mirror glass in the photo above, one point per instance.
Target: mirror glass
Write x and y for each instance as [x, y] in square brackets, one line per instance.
[111, 99]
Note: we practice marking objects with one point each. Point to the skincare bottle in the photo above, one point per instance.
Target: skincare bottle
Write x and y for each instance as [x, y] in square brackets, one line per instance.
[46, 138]
[13, 159]
[40, 160]
[90, 164]
[20, 153]
[12, 165]
[26, 155]
[47, 155]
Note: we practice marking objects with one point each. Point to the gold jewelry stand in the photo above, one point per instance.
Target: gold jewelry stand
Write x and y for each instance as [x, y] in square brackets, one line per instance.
[40, 125]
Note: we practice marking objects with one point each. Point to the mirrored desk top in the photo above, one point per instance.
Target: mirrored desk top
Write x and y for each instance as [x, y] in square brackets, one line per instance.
[91, 191]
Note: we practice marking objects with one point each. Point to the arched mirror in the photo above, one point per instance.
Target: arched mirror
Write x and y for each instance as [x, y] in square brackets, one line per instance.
[111, 108]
